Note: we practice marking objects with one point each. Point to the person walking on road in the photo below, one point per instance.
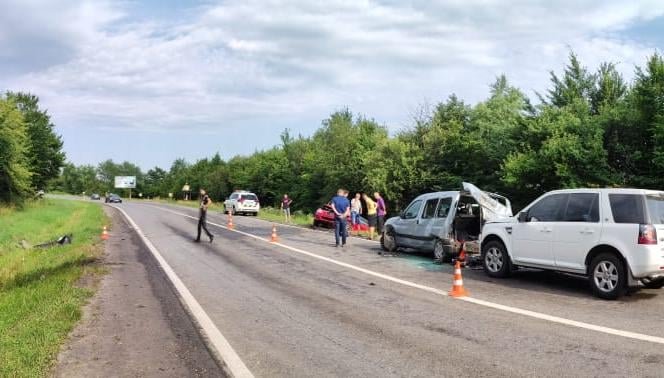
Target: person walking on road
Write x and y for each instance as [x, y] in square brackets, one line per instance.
[341, 208]
[202, 216]
[371, 215]
[355, 211]
[381, 211]
[285, 207]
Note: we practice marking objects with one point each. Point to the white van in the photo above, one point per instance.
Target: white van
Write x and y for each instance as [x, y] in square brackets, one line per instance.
[440, 222]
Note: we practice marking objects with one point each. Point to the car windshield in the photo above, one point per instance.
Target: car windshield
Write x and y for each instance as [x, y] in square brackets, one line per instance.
[249, 197]
[655, 205]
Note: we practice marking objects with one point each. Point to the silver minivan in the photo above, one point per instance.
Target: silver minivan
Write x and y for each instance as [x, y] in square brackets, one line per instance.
[442, 222]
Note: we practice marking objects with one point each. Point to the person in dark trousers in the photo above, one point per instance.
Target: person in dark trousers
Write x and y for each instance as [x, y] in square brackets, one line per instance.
[202, 216]
[341, 208]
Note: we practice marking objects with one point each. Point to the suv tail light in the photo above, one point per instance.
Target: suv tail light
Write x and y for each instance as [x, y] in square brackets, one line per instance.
[647, 234]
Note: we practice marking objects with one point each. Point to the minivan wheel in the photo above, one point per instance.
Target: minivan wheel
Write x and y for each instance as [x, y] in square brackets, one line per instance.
[388, 242]
[495, 259]
[439, 254]
[607, 276]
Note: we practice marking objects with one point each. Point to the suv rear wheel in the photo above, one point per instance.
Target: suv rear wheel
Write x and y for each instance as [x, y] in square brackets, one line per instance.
[608, 278]
[495, 259]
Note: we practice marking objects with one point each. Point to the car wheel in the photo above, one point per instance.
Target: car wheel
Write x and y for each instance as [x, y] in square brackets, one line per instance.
[495, 259]
[388, 242]
[316, 224]
[608, 278]
[653, 284]
[233, 210]
[439, 254]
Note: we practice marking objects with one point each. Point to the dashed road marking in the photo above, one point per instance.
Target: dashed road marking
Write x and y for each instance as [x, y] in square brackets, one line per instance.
[480, 302]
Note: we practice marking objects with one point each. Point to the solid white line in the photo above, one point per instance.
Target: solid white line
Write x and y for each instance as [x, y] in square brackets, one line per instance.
[496, 306]
[220, 344]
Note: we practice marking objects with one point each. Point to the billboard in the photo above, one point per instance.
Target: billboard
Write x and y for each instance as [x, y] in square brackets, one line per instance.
[125, 182]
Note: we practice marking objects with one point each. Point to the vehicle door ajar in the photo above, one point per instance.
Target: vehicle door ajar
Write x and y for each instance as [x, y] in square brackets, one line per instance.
[406, 224]
[532, 238]
[578, 231]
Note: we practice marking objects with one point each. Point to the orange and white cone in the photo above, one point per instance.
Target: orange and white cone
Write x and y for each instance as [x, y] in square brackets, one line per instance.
[104, 234]
[458, 290]
[274, 237]
[462, 255]
[230, 221]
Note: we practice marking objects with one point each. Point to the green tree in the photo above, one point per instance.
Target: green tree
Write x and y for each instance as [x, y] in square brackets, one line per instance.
[44, 152]
[15, 174]
[576, 83]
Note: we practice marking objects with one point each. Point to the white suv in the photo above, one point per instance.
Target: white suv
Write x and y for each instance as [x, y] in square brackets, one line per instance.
[242, 202]
[608, 235]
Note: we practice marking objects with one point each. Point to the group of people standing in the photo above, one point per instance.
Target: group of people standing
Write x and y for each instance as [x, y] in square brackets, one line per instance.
[342, 207]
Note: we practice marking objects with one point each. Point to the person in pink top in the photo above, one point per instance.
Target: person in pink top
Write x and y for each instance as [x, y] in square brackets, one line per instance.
[381, 211]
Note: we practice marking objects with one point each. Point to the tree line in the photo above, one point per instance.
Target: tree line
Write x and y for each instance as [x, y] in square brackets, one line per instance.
[589, 129]
[30, 151]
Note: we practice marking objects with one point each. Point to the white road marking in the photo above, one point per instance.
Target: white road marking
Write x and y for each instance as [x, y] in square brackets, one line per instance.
[496, 306]
[219, 343]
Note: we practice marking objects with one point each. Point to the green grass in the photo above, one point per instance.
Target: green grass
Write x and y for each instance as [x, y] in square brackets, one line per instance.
[40, 296]
[298, 218]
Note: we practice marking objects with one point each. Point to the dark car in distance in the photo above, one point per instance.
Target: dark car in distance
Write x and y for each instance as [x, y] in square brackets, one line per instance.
[113, 198]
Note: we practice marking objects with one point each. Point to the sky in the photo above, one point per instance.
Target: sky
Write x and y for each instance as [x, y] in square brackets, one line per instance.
[154, 80]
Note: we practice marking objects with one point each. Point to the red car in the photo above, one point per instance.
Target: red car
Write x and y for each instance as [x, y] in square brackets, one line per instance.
[324, 217]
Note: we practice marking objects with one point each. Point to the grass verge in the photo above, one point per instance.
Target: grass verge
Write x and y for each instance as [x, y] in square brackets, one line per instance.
[40, 298]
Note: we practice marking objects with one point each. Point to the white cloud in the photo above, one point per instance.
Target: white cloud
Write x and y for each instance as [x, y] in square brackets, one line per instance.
[243, 60]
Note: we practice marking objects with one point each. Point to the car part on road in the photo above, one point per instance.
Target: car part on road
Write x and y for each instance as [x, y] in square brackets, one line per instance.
[495, 259]
[653, 284]
[608, 277]
[65, 239]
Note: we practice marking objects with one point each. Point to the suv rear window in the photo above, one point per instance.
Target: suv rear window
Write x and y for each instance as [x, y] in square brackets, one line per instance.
[655, 205]
[627, 208]
[249, 197]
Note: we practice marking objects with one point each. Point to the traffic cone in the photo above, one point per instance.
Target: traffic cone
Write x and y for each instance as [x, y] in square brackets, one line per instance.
[230, 221]
[274, 234]
[462, 255]
[458, 290]
[104, 234]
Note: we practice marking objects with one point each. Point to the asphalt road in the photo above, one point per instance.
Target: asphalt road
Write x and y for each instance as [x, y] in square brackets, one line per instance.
[288, 313]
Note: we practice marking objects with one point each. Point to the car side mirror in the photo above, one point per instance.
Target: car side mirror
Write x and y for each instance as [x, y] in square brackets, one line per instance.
[523, 217]
[402, 215]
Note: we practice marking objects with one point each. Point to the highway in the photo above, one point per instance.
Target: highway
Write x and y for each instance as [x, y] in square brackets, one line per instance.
[302, 307]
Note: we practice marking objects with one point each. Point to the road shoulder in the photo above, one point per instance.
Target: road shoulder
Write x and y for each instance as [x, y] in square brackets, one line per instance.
[135, 324]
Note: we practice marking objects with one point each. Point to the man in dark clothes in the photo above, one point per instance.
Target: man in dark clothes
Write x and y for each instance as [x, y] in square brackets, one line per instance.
[341, 208]
[202, 216]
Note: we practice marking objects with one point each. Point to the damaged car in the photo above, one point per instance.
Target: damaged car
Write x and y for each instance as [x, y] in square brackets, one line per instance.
[443, 223]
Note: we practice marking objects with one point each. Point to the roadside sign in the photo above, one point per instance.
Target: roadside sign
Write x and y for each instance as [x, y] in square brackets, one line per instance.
[170, 195]
[125, 182]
